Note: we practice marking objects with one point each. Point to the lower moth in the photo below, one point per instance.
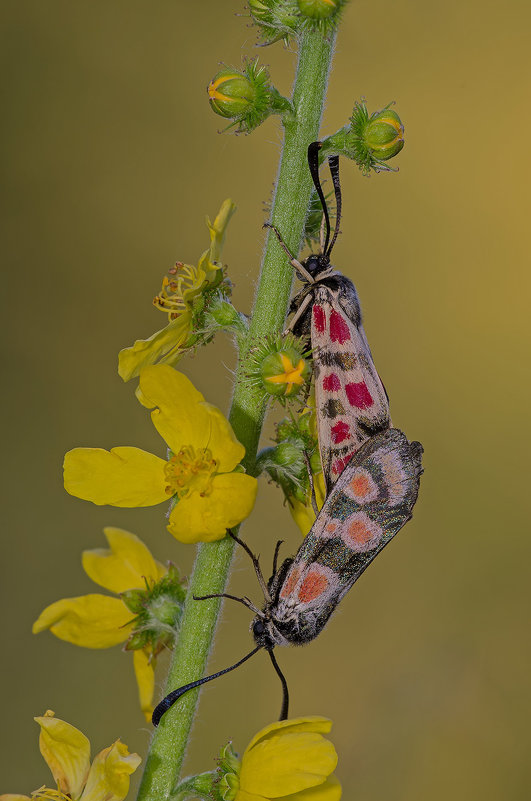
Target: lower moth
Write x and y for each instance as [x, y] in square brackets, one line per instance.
[350, 400]
[371, 501]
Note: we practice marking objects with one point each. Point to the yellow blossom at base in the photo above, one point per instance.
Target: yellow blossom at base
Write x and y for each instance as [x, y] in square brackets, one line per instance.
[66, 750]
[303, 513]
[99, 621]
[209, 494]
[290, 760]
[167, 346]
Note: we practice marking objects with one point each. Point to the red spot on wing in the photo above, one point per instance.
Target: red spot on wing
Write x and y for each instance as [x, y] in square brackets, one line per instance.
[340, 432]
[362, 534]
[312, 587]
[339, 330]
[358, 395]
[319, 318]
[331, 383]
[339, 465]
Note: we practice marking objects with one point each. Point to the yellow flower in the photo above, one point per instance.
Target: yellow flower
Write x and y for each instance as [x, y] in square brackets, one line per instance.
[208, 497]
[303, 512]
[292, 761]
[67, 753]
[178, 297]
[99, 621]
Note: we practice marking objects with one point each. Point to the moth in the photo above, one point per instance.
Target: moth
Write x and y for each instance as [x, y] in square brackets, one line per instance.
[371, 501]
[350, 399]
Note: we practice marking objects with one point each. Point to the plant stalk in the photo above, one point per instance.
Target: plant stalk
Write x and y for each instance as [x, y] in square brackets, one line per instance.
[212, 566]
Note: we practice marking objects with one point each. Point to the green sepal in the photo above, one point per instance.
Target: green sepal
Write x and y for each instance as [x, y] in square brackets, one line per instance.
[201, 786]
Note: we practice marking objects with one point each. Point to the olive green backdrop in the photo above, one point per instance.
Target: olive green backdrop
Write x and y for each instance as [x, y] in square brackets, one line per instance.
[111, 159]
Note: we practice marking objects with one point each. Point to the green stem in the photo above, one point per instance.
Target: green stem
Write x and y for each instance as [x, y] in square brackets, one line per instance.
[247, 412]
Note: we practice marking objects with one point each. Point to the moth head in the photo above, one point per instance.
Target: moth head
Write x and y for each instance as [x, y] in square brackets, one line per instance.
[316, 264]
[260, 628]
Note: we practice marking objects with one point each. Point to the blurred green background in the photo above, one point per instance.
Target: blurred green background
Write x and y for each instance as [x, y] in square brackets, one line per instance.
[111, 159]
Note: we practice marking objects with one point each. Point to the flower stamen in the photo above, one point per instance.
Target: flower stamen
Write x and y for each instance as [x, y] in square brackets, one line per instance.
[190, 470]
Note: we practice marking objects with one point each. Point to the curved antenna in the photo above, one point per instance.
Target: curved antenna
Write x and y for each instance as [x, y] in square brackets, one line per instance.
[170, 699]
[333, 163]
[285, 693]
[313, 164]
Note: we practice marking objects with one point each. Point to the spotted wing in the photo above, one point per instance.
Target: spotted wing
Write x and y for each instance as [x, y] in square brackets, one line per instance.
[372, 500]
[350, 398]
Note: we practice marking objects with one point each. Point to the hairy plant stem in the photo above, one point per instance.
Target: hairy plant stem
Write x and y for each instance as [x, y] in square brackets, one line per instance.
[247, 412]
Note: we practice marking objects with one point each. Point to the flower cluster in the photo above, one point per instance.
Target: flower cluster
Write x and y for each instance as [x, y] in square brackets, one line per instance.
[144, 616]
[201, 477]
[195, 299]
[66, 751]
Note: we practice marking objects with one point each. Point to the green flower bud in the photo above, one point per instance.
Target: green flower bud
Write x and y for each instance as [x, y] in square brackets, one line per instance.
[231, 94]
[246, 97]
[201, 786]
[384, 134]
[318, 9]
[322, 15]
[280, 366]
[284, 372]
[158, 610]
[275, 19]
[369, 140]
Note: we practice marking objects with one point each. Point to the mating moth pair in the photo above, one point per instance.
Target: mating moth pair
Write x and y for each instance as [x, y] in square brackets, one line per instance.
[371, 471]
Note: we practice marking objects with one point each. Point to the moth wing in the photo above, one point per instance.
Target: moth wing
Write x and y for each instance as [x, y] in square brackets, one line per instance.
[372, 500]
[350, 398]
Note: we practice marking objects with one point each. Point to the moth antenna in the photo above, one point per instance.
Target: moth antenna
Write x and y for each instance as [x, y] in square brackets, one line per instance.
[312, 485]
[243, 600]
[174, 696]
[285, 692]
[313, 164]
[275, 556]
[256, 564]
[333, 163]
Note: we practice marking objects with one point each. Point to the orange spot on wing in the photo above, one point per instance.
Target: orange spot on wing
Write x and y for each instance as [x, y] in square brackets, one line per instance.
[360, 485]
[312, 587]
[290, 582]
[331, 527]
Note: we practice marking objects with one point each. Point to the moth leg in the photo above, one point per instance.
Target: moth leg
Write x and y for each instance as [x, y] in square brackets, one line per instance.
[312, 485]
[275, 557]
[243, 600]
[298, 314]
[256, 564]
[292, 260]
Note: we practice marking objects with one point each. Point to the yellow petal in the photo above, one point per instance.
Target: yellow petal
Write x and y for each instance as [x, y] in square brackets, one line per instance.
[330, 790]
[221, 440]
[108, 779]
[314, 723]
[303, 513]
[14, 797]
[163, 346]
[241, 795]
[177, 412]
[218, 228]
[124, 565]
[121, 477]
[92, 621]
[286, 763]
[145, 678]
[206, 518]
[67, 752]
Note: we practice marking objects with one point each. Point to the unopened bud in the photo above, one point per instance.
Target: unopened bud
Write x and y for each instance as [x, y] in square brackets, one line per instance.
[231, 94]
[384, 134]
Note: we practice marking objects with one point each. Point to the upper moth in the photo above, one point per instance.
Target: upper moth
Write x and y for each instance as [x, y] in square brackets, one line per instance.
[350, 400]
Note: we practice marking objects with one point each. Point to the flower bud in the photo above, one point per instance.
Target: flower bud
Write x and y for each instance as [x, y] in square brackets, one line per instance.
[319, 9]
[275, 19]
[231, 94]
[384, 134]
[246, 97]
[284, 372]
[368, 140]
